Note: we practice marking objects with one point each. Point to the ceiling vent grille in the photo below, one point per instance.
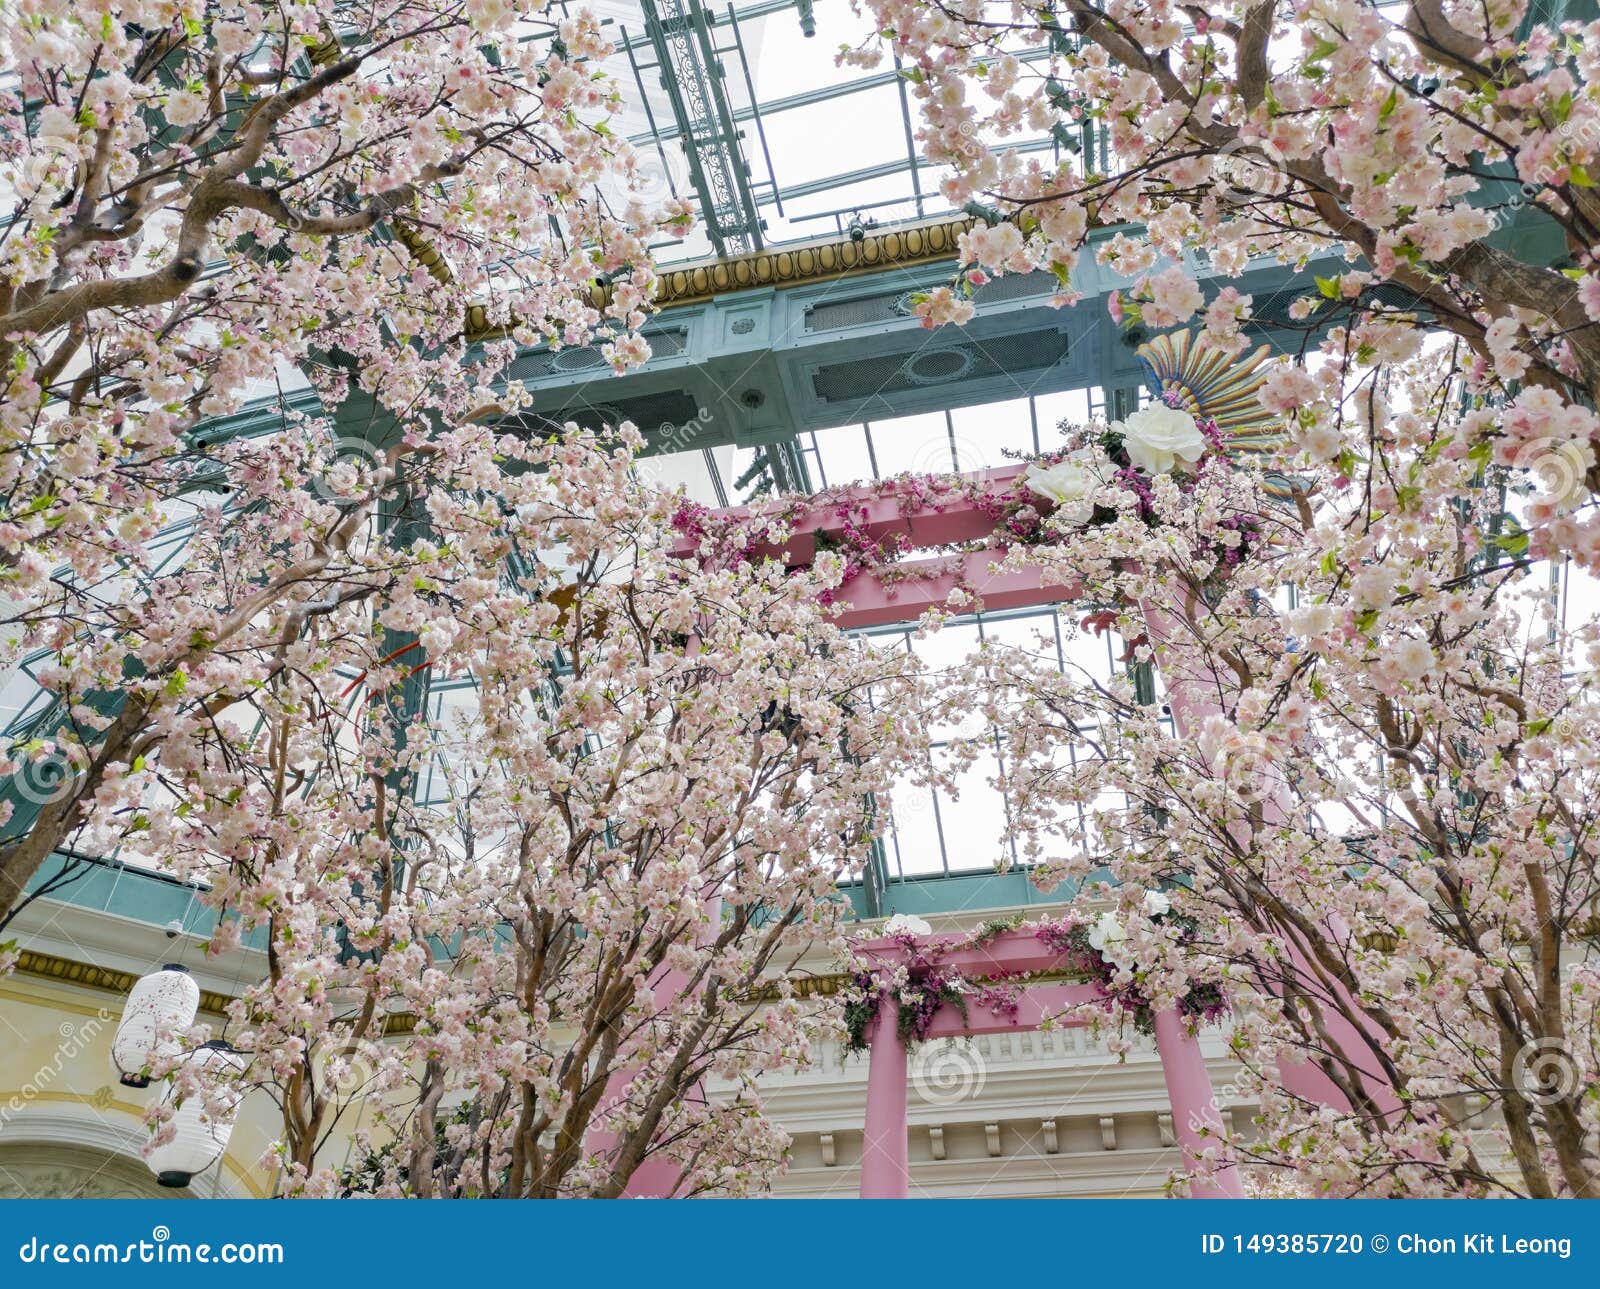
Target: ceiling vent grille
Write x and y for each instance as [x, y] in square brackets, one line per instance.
[864, 378]
[546, 362]
[834, 315]
[656, 414]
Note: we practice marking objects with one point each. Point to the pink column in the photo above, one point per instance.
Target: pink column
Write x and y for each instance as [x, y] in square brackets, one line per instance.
[884, 1167]
[1194, 1104]
[657, 1177]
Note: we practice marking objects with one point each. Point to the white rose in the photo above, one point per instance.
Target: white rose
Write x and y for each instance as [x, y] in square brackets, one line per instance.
[1070, 483]
[1156, 903]
[1158, 437]
[904, 924]
[1108, 938]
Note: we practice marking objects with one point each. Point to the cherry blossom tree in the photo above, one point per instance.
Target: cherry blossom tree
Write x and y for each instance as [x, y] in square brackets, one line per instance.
[1377, 807]
[215, 204]
[546, 934]
[1440, 159]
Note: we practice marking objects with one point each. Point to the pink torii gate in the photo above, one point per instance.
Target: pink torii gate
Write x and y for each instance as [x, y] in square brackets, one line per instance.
[885, 1172]
[871, 600]
[916, 586]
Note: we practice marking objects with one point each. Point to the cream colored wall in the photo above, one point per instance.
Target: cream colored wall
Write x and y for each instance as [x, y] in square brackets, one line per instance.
[58, 1088]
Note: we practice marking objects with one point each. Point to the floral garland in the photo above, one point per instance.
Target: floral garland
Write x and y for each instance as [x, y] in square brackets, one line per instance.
[1091, 950]
[924, 982]
[1061, 488]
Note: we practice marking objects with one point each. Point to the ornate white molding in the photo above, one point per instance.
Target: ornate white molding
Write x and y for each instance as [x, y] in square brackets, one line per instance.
[44, 1147]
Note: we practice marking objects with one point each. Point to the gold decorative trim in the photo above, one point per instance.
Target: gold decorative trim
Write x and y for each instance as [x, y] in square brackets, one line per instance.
[68, 972]
[829, 984]
[825, 260]
[820, 261]
[803, 987]
[423, 251]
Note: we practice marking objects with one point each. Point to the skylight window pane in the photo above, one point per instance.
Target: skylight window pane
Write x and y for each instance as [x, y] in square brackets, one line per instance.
[916, 831]
[1070, 406]
[984, 434]
[1032, 633]
[788, 63]
[836, 136]
[914, 444]
[975, 822]
[827, 209]
[843, 455]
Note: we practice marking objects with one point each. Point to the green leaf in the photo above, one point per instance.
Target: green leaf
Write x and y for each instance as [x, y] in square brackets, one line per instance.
[1389, 104]
[1514, 543]
[1329, 286]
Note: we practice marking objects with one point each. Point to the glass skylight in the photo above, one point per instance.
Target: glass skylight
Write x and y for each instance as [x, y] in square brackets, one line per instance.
[737, 107]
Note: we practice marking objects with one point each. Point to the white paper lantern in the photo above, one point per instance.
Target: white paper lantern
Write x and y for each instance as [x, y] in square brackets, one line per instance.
[200, 1136]
[160, 1006]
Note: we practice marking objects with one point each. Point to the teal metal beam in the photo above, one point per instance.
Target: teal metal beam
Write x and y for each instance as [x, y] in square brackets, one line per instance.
[693, 77]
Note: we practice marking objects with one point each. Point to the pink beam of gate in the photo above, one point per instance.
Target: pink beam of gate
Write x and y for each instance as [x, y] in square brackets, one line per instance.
[885, 1167]
[949, 516]
[910, 588]
[914, 587]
